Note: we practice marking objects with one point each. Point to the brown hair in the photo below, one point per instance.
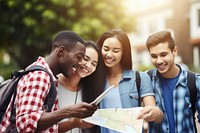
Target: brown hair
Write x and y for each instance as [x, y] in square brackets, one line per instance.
[160, 37]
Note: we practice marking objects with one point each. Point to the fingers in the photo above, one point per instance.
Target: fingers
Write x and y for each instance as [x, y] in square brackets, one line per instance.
[143, 112]
[87, 110]
[145, 126]
[149, 116]
[81, 123]
[148, 113]
[84, 124]
[81, 110]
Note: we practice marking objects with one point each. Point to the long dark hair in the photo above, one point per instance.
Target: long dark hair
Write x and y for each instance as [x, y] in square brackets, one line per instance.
[93, 84]
[126, 61]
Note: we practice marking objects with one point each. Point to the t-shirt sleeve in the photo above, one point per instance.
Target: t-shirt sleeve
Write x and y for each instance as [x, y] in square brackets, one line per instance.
[146, 88]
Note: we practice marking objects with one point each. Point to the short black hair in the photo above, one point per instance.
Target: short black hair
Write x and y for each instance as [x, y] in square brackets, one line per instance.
[66, 38]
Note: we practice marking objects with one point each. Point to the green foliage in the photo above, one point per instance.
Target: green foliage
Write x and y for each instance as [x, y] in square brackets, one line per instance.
[195, 68]
[27, 26]
[6, 70]
[144, 68]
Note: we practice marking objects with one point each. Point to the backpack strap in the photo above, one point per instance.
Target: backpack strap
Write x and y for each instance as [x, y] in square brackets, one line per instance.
[49, 100]
[137, 74]
[149, 72]
[191, 83]
[192, 88]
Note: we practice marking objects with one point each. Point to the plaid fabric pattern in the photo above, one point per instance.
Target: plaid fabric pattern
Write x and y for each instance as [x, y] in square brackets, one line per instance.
[31, 92]
[183, 115]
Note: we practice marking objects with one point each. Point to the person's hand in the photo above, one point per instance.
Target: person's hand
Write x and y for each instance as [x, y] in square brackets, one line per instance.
[81, 123]
[80, 110]
[145, 126]
[150, 113]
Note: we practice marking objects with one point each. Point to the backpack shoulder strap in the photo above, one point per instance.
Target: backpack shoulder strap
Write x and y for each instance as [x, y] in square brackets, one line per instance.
[149, 72]
[191, 85]
[191, 82]
[49, 101]
[192, 88]
[137, 74]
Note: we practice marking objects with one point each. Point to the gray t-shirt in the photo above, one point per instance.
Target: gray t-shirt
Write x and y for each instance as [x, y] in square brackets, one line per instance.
[66, 98]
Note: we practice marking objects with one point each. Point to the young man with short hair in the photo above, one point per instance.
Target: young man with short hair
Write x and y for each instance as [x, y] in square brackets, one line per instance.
[169, 82]
[67, 50]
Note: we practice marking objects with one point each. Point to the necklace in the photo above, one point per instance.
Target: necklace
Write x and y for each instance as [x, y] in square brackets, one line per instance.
[76, 97]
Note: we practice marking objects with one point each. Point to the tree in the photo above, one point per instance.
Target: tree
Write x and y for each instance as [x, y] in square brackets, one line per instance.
[27, 27]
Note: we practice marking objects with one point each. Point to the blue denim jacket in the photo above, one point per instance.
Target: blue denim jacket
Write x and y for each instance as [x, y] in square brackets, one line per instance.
[181, 104]
[128, 90]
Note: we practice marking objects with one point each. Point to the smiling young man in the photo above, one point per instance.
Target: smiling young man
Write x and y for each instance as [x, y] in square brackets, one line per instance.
[67, 51]
[169, 82]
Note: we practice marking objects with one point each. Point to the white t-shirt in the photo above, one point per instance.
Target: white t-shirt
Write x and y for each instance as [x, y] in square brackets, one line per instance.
[66, 98]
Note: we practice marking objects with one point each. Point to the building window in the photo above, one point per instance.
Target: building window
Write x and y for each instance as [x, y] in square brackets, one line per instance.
[195, 20]
[198, 11]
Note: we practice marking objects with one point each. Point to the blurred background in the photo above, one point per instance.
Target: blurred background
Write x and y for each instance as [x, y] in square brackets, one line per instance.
[28, 26]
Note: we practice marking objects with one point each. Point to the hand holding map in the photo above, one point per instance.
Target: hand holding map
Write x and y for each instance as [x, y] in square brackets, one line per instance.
[121, 120]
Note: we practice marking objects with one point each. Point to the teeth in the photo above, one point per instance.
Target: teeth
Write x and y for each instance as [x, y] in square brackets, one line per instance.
[109, 61]
[85, 70]
[161, 66]
[74, 69]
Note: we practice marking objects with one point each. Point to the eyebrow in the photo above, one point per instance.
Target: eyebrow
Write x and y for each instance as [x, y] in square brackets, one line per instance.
[89, 58]
[113, 48]
[105, 46]
[160, 53]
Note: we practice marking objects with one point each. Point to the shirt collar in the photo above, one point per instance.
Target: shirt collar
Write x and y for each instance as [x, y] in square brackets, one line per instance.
[42, 62]
[182, 75]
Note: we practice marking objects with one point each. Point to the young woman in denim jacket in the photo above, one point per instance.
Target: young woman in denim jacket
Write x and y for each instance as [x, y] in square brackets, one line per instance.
[116, 52]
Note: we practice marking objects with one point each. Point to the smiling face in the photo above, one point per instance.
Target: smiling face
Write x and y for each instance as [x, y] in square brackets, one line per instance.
[162, 57]
[69, 61]
[89, 63]
[112, 52]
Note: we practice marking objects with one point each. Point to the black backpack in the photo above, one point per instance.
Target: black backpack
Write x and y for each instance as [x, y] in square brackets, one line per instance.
[192, 89]
[137, 74]
[8, 89]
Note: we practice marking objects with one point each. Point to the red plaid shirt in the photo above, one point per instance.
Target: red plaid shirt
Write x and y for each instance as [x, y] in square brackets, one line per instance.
[31, 92]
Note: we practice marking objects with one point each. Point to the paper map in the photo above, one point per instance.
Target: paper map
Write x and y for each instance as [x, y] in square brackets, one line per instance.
[122, 120]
